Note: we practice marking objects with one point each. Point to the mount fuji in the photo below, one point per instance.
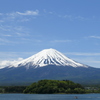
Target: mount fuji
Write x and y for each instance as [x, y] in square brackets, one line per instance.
[48, 64]
[47, 57]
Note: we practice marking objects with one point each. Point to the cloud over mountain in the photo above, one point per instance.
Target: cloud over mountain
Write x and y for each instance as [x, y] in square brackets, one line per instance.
[5, 63]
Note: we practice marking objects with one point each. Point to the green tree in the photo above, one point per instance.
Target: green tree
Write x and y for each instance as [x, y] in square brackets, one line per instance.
[54, 86]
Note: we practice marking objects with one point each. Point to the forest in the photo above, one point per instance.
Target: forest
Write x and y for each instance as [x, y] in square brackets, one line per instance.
[51, 87]
[54, 86]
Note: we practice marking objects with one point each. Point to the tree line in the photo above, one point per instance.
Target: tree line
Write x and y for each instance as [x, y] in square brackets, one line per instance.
[50, 87]
[12, 89]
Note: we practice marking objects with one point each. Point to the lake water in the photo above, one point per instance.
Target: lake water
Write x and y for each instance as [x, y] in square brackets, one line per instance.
[49, 96]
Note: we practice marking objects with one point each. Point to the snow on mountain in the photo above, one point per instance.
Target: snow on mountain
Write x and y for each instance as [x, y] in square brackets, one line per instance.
[47, 57]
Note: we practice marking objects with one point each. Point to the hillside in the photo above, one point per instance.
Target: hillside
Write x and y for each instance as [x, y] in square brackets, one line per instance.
[54, 86]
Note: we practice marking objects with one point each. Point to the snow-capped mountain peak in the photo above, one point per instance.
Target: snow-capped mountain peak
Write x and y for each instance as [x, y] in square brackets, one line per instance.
[48, 57]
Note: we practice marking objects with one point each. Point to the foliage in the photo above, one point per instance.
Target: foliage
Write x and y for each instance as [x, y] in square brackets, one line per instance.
[12, 89]
[54, 86]
[51, 86]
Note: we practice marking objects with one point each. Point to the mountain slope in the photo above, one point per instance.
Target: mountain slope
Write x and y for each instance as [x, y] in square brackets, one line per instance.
[48, 64]
[48, 57]
[21, 75]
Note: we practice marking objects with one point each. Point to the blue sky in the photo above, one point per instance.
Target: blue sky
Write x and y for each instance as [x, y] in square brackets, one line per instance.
[69, 26]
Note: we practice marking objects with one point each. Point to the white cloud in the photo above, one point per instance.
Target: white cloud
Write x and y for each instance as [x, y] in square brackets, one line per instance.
[5, 28]
[50, 12]
[68, 16]
[28, 12]
[97, 37]
[18, 16]
[8, 58]
[71, 17]
[4, 40]
[80, 18]
[19, 28]
[13, 30]
[6, 63]
[7, 35]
